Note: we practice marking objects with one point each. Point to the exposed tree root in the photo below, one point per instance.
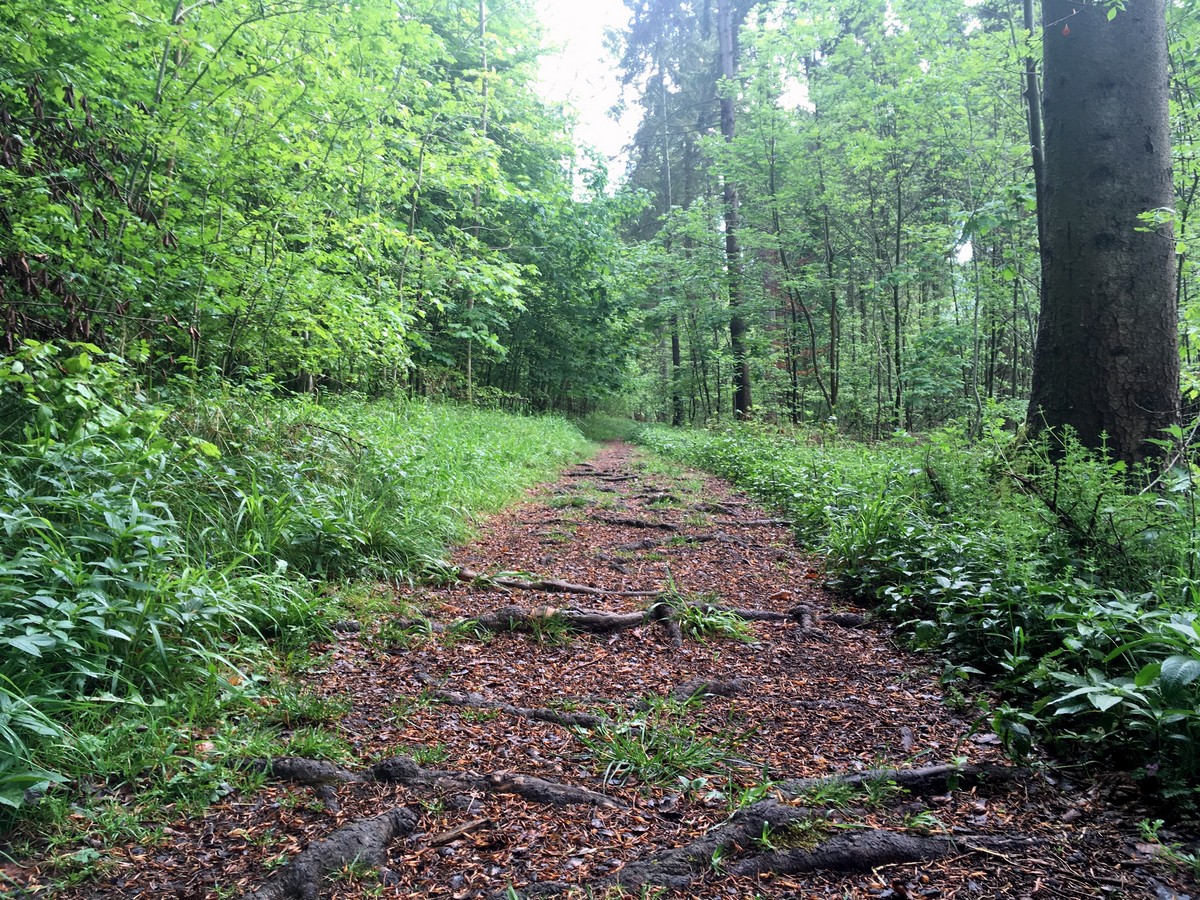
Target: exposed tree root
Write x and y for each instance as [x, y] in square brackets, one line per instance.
[926, 781]
[478, 701]
[634, 523]
[403, 770]
[547, 585]
[728, 507]
[845, 620]
[699, 687]
[515, 618]
[595, 621]
[363, 841]
[718, 536]
[738, 847]
[633, 546]
[754, 522]
[750, 615]
[863, 851]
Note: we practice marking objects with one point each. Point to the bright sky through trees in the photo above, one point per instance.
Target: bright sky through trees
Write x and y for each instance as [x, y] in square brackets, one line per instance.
[583, 74]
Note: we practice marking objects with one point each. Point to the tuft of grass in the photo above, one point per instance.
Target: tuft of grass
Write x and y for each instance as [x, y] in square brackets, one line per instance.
[700, 619]
[313, 742]
[291, 705]
[659, 747]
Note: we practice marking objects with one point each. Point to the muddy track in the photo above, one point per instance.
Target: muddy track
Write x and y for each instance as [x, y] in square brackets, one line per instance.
[478, 711]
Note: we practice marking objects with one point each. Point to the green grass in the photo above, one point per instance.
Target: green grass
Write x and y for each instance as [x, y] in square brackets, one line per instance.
[661, 746]
[157, 557]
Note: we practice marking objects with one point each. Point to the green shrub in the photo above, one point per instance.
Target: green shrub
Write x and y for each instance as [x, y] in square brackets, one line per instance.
[1055, 575]
[150, 550]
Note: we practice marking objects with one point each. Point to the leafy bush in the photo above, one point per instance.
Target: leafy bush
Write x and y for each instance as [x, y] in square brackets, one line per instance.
[1054, 575]
[148, 549]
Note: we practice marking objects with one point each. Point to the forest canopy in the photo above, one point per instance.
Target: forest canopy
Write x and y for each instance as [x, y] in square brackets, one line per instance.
[373, 196]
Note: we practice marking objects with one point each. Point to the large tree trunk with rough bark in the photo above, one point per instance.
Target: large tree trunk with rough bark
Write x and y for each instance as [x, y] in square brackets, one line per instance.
[1106, 360]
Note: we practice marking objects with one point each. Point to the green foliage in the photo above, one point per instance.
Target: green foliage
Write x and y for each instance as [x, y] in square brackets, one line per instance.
[658, 747]
[1052, 575]
[321, 195]
[699, 619]
[151, 552]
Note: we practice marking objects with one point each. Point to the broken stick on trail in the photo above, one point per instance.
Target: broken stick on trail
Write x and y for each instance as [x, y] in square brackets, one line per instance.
[633, 682]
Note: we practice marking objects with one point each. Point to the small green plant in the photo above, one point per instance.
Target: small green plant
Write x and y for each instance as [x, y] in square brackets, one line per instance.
[427, 755]
[716, 860]
[657, 747]
[478, 715]
[832, 794]
[404, 633]
[924, 822]
[290, 705]
[1171, 853]
[699, 617]
[800, 834]
[878, 792]
[554, 628]
[317, 743]
[433, 806]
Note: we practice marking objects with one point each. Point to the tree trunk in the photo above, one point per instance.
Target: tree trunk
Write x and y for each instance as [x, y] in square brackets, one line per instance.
[727, 24]
[1106, 360]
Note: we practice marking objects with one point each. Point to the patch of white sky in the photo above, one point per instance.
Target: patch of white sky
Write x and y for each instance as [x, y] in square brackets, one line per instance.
[581, 72]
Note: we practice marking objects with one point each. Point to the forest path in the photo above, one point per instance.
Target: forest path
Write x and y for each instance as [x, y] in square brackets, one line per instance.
[567, 724]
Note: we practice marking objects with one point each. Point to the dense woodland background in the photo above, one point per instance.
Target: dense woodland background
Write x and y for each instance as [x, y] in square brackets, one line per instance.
[371, 197]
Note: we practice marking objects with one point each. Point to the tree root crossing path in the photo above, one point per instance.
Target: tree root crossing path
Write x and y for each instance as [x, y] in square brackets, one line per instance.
[635, 685]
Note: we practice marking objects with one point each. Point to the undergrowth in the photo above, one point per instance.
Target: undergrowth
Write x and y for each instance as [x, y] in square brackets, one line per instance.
[1069, 581]
[159, 558]
[658, 746]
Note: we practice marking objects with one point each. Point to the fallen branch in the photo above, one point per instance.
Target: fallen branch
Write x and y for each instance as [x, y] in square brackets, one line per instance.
[362, 841]
[461, 831]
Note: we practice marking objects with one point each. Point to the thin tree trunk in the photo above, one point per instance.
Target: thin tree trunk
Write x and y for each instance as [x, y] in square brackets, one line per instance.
[727, 25]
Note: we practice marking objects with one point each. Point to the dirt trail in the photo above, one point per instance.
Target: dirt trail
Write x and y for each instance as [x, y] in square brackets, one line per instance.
[472, 714]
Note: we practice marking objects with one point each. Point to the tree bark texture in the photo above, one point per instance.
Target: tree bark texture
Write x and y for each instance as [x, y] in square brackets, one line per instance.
[1106, 359]
[728, 20]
